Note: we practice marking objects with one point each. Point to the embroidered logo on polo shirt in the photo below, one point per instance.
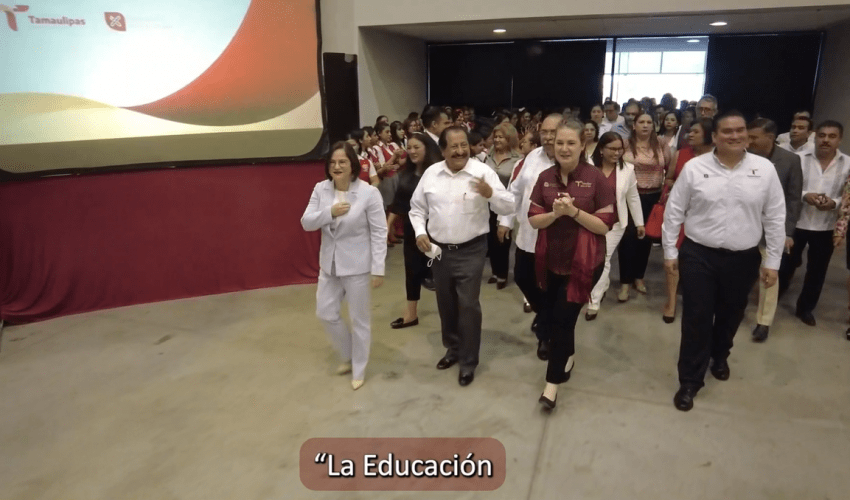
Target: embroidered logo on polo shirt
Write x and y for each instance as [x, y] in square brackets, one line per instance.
[545, 184]
[582, 184]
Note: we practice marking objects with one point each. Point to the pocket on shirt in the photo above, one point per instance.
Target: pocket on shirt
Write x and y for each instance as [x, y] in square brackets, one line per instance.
[470, 203]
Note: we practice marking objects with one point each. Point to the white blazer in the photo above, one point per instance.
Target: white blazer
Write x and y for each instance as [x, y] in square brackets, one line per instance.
[357, 244]
[627, 196]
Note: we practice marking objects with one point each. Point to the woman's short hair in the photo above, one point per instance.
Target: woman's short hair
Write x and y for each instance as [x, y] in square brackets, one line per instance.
[707, 125]
[606, 139]
[352, 157]
[510, 133]
[595, 127]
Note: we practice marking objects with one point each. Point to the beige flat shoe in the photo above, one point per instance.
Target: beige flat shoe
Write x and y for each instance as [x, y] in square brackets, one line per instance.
[343, 368]
[356, 384]
[623, 296]
[640, 287]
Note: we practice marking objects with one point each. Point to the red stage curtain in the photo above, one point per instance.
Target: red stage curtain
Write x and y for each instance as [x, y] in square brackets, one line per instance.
[77, 244]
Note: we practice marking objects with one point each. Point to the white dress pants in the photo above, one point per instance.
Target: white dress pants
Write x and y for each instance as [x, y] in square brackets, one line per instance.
[351, 344]
[612, 239]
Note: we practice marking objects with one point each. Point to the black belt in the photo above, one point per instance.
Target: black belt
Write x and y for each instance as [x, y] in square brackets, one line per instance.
[460, 246]
[725, 251]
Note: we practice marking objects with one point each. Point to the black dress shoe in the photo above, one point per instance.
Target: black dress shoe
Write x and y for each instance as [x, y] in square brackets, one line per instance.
[590, 316]
[546, 402]
[399, 323]
[720, 370]
[668, 319]
[543, 350]
[501, 284]
[684, 398]
[446, 362]
[847, 334]
[807, 318]
[428, 283]
[492, 280]
[526, 308]
[464, 379]
[760, 333]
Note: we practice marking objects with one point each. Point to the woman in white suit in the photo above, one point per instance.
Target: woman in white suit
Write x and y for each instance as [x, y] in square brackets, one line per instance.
[350, 214]
[608, 156]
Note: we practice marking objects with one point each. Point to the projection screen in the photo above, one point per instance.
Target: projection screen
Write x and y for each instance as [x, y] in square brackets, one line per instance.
[90, 84]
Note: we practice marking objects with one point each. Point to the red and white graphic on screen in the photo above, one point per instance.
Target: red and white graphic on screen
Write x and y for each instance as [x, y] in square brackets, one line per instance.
[116, 21]
[10, 14]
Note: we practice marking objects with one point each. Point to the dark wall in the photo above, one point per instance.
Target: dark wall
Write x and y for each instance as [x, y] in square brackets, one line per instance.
[540, 75]
[769, 75]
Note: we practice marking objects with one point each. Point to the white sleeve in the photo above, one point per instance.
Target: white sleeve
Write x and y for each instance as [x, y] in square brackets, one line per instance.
[674, 213]
[418, 213]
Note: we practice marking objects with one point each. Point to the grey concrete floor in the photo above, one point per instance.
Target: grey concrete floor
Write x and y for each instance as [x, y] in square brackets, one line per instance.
[212, 398]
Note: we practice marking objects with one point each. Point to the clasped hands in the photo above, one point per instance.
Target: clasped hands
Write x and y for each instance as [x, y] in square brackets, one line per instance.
[564, 206]
[820, 201]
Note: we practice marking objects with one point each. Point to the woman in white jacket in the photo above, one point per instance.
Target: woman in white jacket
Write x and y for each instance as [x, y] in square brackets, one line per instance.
[608, 157]
[350, 214]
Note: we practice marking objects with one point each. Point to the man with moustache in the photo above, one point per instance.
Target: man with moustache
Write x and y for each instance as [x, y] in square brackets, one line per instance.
[537, 161]
[762, 135]
[727, 200]
[449, 209]
[825, 171]
[612, 117]
[624, 129]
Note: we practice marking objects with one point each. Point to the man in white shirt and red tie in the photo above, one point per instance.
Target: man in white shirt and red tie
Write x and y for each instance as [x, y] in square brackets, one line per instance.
[537, 161]
[727, 200]
[450, 209]
[825, 171]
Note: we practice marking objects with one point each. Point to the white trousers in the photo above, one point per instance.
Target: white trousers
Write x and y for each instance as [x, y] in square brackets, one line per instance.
[352, 345]
[612, 239]
[768, 298]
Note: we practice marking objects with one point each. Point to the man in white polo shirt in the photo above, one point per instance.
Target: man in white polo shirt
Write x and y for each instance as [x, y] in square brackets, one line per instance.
[727, 200]
[825, 171]
[449, 208]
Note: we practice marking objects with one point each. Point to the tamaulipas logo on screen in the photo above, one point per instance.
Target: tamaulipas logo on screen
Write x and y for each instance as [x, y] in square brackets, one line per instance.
[114, 20]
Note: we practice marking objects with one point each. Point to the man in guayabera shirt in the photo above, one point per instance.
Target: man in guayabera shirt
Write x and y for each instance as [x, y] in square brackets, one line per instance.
[727, 200]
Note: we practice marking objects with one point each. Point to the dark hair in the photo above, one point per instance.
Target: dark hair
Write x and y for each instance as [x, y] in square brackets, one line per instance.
[535, 137]
[432, 156]
[805, 119]
[378, 119]
[380, 128]
[413, 116]
[368, 130]
[634, 103]
[766, 124]
[444, 136]
[732, 113]
[474, 138]
[595, 127]
[352, 157]
[357, 134]
[408, 123]
[394, 128]
[611, 103]
[832, 124]
[431, 115]
[484, 130]
[606, 139]
[673, 112]
[601, 107]
[654, 143]
[707, 125]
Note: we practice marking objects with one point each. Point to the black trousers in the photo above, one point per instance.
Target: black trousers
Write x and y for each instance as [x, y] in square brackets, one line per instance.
[817, 262]
[525, 276]
[415, 263]
[457, 277]
[715, 286]
[560, 318]
[500, 253]
[633, 253]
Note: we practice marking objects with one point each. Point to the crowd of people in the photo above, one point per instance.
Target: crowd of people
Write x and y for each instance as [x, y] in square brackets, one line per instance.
[731, 203]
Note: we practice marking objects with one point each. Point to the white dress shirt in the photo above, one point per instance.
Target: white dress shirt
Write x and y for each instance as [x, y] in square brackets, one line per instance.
[817, 180]
[432, 136]
[453, 211]
[807, 147]
[535, 162]
[606, 125]
[785, 139]
[727, 208]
